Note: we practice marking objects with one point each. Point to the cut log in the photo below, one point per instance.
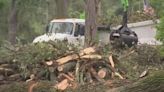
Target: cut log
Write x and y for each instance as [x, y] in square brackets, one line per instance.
[102, 73]
[94, 74]
[66, 67]
[66, 59]
[91, 57]
[88, 50]
[75, 56]
[112, 64]
[111, 61]
[62, 85]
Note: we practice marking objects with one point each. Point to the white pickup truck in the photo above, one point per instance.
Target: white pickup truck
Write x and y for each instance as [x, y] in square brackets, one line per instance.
[71, 30]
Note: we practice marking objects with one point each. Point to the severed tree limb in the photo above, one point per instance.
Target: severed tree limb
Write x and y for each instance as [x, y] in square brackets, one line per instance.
[75, 56]
[66, 59]
[111, 63]
[91, 57]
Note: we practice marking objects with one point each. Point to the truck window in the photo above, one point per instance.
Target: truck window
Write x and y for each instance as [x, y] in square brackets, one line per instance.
[82, 30]
[61, 27]
[79, 30]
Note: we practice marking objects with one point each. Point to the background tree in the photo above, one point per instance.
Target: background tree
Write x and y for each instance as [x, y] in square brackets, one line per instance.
[13, 22]
[91, 21]
[62, 8]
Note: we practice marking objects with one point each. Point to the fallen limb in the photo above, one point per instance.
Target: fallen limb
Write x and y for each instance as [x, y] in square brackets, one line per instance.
[112, 64]
[66, 59]
[91, 57]
[76, 56]
[111, 61]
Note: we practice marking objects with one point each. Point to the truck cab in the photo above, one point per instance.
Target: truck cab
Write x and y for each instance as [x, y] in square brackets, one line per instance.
[71, 30]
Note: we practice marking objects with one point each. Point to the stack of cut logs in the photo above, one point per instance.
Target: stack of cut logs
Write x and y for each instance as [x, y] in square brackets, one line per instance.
[84, 67]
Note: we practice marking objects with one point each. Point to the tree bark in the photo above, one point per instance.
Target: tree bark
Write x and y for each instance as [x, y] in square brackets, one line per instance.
[62, 8]
[12, 23]
[91, 21]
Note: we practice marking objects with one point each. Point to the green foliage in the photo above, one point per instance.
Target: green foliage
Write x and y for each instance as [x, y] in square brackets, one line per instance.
[153, 83]
[142, 58]
[29, 58]
[158, 6]
[160, 30]
[161, 51]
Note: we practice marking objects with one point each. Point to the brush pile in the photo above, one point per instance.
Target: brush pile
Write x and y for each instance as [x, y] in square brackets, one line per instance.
[65, 65]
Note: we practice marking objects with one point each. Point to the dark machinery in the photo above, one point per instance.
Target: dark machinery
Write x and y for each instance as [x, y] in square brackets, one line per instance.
[123, 36]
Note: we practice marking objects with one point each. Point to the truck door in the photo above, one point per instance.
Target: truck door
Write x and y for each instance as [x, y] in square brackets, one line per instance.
[78, 35]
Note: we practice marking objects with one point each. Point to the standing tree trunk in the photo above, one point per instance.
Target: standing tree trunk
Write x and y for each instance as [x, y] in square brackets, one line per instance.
[91, 21]
[62, 8]
[12, 23]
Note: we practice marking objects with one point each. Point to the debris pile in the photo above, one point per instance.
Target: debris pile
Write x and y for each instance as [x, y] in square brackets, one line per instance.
[84, 67]
[69, 68]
